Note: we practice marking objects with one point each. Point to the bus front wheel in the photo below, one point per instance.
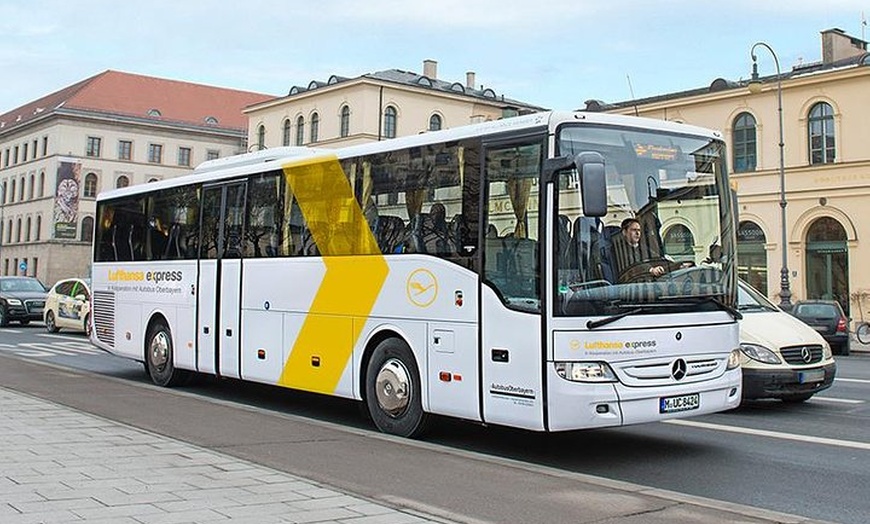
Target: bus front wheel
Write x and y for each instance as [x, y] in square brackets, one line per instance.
[159, 359]
[393, 390]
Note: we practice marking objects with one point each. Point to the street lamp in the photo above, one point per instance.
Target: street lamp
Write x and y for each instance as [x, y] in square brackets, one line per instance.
[755, 87]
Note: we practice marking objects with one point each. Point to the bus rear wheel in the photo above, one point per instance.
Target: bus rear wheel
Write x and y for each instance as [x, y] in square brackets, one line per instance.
[159, 357]
[393, 390]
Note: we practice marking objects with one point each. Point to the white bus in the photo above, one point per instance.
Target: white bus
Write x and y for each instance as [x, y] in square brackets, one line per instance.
[469, 272]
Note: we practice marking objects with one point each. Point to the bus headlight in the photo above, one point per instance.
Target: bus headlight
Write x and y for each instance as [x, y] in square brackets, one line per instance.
[734, 359]
[759, 353]
[585, 371]
[826, 351]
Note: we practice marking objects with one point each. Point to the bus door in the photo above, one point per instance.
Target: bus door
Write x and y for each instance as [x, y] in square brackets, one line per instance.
[220, 273]
[510, 297]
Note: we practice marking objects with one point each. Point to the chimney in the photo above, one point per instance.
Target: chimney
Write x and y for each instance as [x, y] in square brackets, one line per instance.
[837, 45]
[430, 69]
[469, 80]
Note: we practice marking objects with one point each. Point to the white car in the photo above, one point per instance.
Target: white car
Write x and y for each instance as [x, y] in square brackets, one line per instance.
[781, 357]
[68, 306]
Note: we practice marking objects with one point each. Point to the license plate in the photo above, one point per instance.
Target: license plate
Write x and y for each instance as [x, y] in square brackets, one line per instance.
[813, 375]
[680, 403]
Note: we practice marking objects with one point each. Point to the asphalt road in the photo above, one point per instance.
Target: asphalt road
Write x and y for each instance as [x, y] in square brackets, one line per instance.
[811, 459]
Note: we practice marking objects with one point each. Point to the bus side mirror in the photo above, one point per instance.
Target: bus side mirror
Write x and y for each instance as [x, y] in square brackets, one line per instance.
[593, 183]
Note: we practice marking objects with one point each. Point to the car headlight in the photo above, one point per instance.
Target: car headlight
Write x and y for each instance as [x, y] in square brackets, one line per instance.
[759, 353]
[13, 301]
[585, 371]
[826, 351]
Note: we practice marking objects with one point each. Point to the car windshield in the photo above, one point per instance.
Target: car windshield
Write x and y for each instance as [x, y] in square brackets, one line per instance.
[667, 238]
[749, 299]
[21, 284]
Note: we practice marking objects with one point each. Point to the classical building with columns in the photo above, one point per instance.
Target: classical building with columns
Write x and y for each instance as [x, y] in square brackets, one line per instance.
[826, 164]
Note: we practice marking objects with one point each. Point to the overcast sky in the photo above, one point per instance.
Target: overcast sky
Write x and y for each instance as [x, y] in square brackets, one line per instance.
[552, 53]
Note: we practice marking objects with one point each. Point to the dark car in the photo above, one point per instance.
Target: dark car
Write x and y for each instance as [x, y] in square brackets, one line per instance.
[826, 317]
[22, 299]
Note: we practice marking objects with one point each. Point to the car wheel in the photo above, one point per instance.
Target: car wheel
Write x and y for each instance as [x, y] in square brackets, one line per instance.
[4, 320]
[393, 390]
[159, 357]
[24, 322]
[87, 326]
[797, 398]
[50, 322]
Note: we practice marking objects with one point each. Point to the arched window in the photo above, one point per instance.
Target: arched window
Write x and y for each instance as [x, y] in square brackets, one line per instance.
[11, 197]
[827, 262]
[9, 232]
[38, 230]
[90, 190]
[42, 183]
[315, 127]
[18, 230]
[435, 123]
[122, 181]
[30, 187]
[821, 134]
[4, 196]
[285, 137]
[87, 233]
[679, 243]
[261, 137]
[390, 117]
[752, 255]
[21, 190]
[743, 143]
[300, 131]
[344, 121]
[27, 225]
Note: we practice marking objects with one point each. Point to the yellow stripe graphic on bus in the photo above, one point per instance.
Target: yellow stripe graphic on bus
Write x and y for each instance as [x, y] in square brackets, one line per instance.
[351, 284]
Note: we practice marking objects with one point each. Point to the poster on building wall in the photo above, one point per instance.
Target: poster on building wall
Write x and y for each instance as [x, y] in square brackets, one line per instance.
[66, 199]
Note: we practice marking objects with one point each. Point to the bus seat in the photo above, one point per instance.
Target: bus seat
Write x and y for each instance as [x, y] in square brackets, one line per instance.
[608, 258]
[391, 233]
[567, 254]
[430, 235]
[587, 248]
[458, 229]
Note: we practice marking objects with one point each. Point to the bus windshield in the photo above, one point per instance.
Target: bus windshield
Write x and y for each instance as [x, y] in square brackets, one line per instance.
[667, 239]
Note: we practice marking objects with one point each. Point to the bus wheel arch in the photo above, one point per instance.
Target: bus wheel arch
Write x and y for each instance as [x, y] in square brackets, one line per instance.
[159, 354]
[391, 386]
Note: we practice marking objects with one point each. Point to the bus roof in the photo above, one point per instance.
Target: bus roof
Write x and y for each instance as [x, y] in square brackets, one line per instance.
[247, 163]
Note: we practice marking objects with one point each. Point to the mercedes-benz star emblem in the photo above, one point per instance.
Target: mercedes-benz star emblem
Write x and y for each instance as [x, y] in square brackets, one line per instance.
[678, 369]
[806, 354]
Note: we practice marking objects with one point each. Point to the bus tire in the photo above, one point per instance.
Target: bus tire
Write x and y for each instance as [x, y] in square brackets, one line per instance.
[393, 390]
[159, 357]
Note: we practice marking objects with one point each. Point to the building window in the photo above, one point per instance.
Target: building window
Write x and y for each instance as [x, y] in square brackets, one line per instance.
[390, 117]
[35, 146]
[18, 231]
[125, 150]
[24, 153]
[122, 181]
[315, 127]
[4, 197]
[15, 156]
[821, 134]
[184, 156]
[300, 131]
[41, 183]
[285, 137]
[155, 153]
[21, 190]
[743, 138]
[44, 146]
[344, 122]
[27, 225]
[93, 147]
[38, 230]
[12, 193]
[87, 233]
[30, 184]
[435, 123]
[90, 190]
[6, 158]
[261, 138]
[212, 154]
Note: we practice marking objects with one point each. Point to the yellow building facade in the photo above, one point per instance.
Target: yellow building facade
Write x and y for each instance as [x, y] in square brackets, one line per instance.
[826, 165]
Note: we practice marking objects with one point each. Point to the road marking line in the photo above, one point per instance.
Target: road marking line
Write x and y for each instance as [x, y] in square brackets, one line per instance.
[839, 400]
[855, 380]
[772, 434]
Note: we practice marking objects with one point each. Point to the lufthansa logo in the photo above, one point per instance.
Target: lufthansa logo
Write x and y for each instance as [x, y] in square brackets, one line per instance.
[806, 354]
[422, 288]
[678, 369]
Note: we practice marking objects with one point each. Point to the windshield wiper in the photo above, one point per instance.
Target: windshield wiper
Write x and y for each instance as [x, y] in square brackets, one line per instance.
[592, 324]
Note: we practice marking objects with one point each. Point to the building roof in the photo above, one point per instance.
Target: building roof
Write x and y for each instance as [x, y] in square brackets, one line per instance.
[142, 97]
[398, 76]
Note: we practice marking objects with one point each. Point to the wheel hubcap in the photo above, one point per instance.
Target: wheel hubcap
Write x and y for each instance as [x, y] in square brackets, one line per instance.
[50, 321]
[159, 351]
[393, 387]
